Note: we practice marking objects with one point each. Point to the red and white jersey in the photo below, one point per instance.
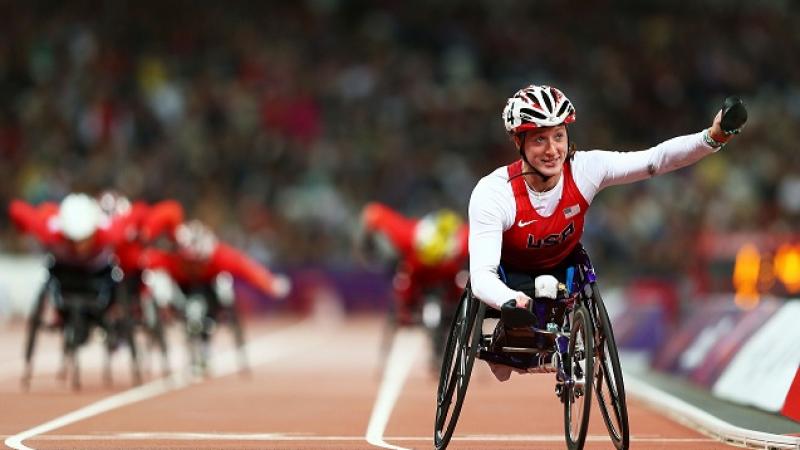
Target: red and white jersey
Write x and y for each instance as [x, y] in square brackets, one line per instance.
[144, 223]
[495, 233]
[535, 242]
[401, 232]
[43, 223]
[186, 272]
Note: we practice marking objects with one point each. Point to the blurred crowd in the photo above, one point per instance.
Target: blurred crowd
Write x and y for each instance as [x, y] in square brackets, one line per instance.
[275, 122]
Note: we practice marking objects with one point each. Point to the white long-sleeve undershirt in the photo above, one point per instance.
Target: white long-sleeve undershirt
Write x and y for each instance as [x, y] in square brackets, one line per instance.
[492, 208]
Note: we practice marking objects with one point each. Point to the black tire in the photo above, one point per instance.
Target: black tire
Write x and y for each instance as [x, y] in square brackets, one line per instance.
[578, 368]
[34, 324]
[608, 383]
[126, 325]
[238, 337]
[76, 333]
[457, 361]
[195, 317]
[153, 325]
[440, 334]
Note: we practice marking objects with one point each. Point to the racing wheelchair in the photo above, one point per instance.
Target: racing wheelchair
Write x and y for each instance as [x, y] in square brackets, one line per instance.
[75, 300]
[148, 316]
[433, 314]
[571, 337]
[203, 308]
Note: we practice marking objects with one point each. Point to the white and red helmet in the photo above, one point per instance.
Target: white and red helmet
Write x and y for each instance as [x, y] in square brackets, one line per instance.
[195, 240]
[79, 216]
[537, 106]
[113, 203]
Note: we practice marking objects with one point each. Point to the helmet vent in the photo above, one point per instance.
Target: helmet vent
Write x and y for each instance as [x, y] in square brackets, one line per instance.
[548, 102]
[564, 107]
[533, 113]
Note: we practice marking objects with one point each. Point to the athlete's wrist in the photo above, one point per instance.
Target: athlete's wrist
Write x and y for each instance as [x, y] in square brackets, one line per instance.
[522, 300]
[711, 141]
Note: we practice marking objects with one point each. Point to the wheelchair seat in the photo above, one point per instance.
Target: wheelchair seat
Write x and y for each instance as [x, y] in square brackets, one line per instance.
[522, 340]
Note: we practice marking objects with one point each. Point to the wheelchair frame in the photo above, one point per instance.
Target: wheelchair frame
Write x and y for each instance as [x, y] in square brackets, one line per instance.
[80, 310]
[203, 309]
[436, 331]
[586, 321]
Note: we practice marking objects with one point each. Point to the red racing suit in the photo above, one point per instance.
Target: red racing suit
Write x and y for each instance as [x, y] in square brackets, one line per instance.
[41, 223]
[414, 278]
[187, 272]
[142, 224]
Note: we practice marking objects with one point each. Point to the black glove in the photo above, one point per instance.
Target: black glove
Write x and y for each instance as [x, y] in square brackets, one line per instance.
[514, 317]
[734, 115]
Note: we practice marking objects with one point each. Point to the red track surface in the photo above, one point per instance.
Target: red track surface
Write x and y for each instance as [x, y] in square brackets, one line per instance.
[312, 386]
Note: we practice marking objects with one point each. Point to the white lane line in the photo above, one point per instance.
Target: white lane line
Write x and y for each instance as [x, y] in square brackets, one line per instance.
[405, 348]
[703, 422]
[300, 437]
[270, 347]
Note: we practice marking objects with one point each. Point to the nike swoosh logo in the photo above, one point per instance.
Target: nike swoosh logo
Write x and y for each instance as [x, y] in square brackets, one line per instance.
[522, 224]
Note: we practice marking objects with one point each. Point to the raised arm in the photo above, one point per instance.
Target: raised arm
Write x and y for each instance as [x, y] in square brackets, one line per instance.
[162, 218]
[398, 229]
[599, 169]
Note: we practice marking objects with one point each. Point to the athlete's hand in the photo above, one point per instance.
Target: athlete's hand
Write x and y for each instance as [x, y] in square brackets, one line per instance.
[522, 300]
[716, 132]
[729, 120]
[281, 286]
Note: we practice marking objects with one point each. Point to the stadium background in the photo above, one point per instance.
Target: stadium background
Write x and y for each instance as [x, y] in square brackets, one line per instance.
[276, 122]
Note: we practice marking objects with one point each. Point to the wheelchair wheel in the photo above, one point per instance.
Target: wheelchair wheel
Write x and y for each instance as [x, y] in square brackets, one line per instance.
[198, 333]
[458, 359]
[76, 333]
[440, 333]
[33, 326]
[578, 369]
[153, 325]
[608, 382]
[238, 336]
[436, 320]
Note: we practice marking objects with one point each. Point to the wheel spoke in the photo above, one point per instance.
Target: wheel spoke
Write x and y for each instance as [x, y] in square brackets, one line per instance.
[578, 366]
[456, 368]
[609, 386]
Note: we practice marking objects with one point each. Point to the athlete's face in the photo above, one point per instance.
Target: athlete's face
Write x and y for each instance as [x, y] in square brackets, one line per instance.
[546, 149]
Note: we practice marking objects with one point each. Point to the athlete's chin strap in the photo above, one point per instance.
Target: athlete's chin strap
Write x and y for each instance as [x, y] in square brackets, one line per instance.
[533, 171]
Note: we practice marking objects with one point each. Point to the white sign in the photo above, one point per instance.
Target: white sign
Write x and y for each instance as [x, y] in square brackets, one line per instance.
[763, 370]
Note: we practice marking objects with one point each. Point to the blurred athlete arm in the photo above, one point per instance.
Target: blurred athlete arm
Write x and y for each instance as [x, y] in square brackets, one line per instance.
[162, 218]
[154, 259]
[35, 220]
[229, 259]
[398, 229]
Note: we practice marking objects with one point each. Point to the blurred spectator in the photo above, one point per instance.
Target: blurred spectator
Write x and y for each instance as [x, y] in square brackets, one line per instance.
[275, 122]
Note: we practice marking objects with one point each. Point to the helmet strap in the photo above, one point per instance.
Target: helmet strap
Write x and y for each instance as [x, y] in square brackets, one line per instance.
[520, 141]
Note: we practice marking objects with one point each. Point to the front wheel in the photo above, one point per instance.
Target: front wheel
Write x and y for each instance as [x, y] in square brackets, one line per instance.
[578, 368]
[608, 382]
[457, 360]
